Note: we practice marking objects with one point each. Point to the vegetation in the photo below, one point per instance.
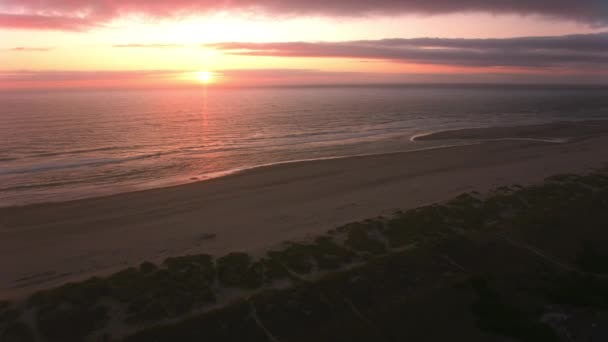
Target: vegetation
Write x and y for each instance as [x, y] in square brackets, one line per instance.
[364, 237]
[238, 270]
[17, 332]
[590, 259]
[498, 316]
[483, 266]
[11, 329]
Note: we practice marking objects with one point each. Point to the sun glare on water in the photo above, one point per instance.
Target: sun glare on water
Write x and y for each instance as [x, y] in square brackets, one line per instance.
[205, 76]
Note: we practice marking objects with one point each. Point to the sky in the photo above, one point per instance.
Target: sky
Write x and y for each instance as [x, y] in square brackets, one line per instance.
[48, 44]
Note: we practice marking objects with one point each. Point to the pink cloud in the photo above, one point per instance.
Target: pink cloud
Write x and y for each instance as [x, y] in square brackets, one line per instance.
[80, 15]
[44, 22]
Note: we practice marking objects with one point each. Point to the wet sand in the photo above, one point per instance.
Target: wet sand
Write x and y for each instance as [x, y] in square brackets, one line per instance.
[44, 245]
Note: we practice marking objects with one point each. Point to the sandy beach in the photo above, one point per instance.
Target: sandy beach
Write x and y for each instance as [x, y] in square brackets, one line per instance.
[48, 244]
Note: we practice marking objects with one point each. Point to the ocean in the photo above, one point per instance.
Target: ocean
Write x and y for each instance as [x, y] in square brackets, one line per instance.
[64, 145]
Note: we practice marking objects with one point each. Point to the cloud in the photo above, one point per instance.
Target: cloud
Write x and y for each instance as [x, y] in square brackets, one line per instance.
[98, 79]
[67, 79]
[28, 49]
[119, 75]
[154, 46]
[119, 79]
[59, 75]
[44, 22]
[80, 15]
[574, 50]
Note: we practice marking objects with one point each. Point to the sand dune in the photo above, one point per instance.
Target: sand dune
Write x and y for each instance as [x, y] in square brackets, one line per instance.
[48, 244]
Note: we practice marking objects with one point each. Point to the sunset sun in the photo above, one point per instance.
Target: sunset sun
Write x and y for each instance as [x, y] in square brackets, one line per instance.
[205, 76]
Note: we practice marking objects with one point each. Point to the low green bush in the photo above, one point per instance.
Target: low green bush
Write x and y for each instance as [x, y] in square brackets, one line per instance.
[295, 256]
[591, 260]
[238, 270]
[17, 332]
[497, 316]
[360, 237]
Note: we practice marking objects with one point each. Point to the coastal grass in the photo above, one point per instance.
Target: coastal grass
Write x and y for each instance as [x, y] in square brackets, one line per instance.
[502, 258]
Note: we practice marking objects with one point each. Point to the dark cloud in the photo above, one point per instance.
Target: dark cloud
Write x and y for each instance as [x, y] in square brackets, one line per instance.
[575, 50]
[586, 42]
[75, 15]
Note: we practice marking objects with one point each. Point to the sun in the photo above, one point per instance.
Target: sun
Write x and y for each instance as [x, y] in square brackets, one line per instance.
[205, 76]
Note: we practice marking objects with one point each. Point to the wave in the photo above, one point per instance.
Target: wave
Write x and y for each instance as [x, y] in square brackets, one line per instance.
[44, 167]
[415, 138]
[71, 165]
[325, 137]
[333, 136]
[82, 151]
[548, 140]
[153, 183]
[39, 186]
[350, 133]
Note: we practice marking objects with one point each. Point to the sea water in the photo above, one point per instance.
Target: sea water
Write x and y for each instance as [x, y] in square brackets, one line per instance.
[63, 145]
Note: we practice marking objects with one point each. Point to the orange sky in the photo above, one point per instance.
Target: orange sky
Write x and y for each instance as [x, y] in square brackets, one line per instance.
[144, 51]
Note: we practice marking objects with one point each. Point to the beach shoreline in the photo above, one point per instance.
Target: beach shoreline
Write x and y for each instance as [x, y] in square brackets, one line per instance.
[47, 244]
[452, 138]
[421, 141]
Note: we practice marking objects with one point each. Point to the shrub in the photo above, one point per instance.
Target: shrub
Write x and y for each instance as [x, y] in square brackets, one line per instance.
[68, 322]
[359, 237]
[590, 260]
[147, 267]
[199, 266]
[295, 256]
[329, 255]
[238, 270]
[17, 332]
[273, 270]
[496, 316]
